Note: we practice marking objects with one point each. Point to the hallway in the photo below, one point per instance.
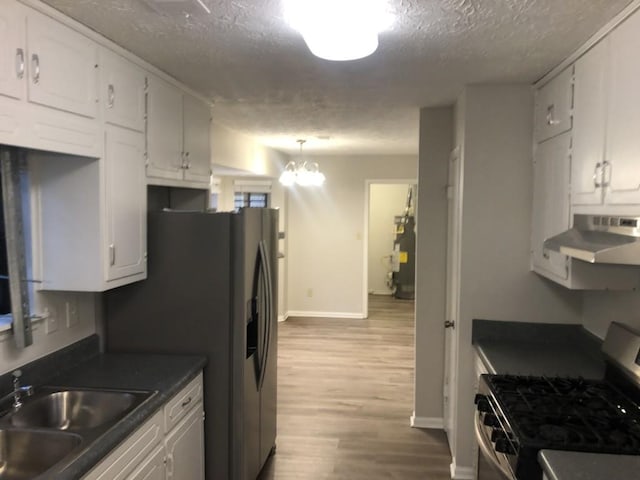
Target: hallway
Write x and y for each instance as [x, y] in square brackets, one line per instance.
[345, 397]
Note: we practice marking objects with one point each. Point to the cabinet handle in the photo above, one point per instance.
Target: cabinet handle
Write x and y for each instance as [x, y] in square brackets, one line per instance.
[545, 255]
[111, 96]
[19, 63]
[597, 184]
[187, 162]
[169, 463]
[606, 180]
[35, 63]
[186, 402]
[112, 254]
[551, 114]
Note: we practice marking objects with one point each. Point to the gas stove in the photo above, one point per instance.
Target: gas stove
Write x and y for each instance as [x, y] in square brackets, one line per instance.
[517, 416]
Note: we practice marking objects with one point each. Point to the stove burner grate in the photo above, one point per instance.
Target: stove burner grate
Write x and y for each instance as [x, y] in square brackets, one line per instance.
[569, 414]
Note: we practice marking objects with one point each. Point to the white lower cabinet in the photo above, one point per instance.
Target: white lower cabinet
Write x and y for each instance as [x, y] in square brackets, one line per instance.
[184, 447]
[153, 468]
[131, 453]
[159, 450]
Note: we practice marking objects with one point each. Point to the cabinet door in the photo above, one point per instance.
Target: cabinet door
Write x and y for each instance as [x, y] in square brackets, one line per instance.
[131, 453]
[589, 123]
[12, 49]
[126, 203]
[62, 66]
[553, 106]
[197, 123]
[623, 130]
[122, 91]
[164, 130]
[185, 447]
[152, 468]
[550, 203]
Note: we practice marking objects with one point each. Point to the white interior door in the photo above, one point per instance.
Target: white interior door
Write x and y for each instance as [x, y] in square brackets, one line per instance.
[453, 290]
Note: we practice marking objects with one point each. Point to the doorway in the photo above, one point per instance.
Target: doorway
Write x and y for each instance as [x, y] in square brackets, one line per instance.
[390, 239]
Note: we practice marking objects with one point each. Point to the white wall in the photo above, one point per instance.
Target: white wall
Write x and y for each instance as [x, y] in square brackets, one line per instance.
[386, 201]
[326, 229]
[496, 282]
[234, 150]
[43, 343]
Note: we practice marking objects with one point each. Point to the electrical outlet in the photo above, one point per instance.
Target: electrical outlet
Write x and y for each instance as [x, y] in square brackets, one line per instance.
[310, 292]
[71, 306]
[51, 320]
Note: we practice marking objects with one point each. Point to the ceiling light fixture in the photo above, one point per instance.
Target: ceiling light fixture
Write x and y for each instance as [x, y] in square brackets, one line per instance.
[339, 30]
[303, 172]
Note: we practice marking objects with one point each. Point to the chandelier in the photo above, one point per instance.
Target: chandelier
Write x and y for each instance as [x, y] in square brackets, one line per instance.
[303, 172]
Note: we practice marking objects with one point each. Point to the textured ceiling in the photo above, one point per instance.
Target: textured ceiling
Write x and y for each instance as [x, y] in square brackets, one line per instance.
[265, 83]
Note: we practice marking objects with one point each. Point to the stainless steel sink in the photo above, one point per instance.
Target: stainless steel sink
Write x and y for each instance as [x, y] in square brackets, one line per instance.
[26, 454]
[75, 409]
[56, 425]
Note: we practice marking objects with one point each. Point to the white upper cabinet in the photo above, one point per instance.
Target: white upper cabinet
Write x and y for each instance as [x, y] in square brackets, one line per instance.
[197, 149]
[554, 102]
[13, 67]
[122, 85]
[606, 144]
[164, 130]
[48, 84]
[178, 129]
[589, 123]
[623, 129]
[550, 203]
[126, 203]
[62, 66]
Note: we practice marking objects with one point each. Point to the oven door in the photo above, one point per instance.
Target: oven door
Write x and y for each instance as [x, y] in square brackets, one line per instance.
[489, 466]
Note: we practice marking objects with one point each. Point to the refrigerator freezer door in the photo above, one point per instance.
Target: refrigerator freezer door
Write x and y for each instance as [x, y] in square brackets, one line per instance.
[268, 387]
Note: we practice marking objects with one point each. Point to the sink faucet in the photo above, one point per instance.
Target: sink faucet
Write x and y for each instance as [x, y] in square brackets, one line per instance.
[18, 391]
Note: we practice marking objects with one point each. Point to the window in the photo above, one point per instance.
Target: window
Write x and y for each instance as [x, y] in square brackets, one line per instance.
[250, 199]
[251, 193]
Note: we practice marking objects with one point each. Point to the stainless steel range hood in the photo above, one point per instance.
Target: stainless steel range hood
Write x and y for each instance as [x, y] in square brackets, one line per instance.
[600, 239]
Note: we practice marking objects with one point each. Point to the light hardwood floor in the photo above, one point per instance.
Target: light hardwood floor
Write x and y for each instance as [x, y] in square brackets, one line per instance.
[345, 397]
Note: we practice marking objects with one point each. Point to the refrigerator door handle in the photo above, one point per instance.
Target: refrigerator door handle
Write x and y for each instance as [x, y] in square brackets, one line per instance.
[252, 327]
[267, 315]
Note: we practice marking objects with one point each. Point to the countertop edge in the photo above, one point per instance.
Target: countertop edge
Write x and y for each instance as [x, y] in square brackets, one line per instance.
[569, 465]
[484, 358]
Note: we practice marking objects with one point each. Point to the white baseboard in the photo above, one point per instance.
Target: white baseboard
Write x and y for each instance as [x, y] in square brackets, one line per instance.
[304, 313]
[458, 472]
[283, 318]
[386, 293]
[427, 422]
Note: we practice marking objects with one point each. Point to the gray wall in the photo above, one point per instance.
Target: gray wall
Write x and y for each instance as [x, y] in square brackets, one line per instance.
[436, 143]
[496, 281]
[602, 308]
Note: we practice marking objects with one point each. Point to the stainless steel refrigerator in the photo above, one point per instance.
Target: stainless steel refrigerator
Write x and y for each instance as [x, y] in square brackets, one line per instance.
[211, 290]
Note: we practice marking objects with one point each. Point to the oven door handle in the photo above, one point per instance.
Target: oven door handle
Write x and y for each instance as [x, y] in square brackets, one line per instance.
[485, 445]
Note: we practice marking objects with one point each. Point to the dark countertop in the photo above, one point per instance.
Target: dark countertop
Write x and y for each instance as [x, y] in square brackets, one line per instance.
[538, 349]
[164, 374]
[588, 466]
